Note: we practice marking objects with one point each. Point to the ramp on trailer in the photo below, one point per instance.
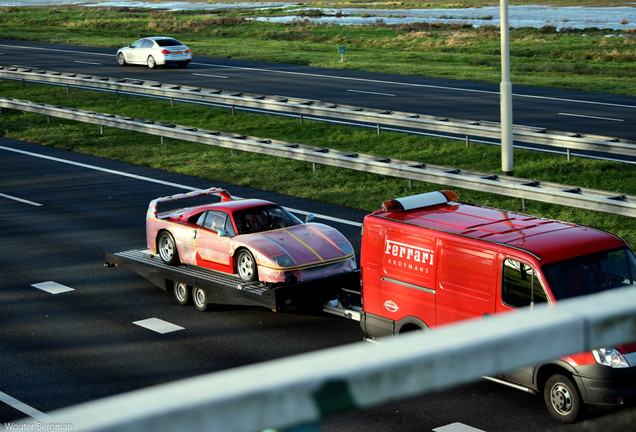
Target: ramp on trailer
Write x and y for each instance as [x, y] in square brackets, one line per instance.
[228, 289]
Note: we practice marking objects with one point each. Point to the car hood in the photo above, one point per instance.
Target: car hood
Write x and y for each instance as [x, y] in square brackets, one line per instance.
[304, 244]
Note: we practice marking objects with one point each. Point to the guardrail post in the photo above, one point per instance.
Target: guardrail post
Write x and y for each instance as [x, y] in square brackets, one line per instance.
[116, 95]
[379, 128]
[171, 102]
[101, 129]
[68, 89]
[568, 153]
[233, 111]
[23, 84]
[467, 141]
[302, 119]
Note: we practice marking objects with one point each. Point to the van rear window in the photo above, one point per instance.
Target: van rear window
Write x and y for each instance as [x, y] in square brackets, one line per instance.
[592, 273]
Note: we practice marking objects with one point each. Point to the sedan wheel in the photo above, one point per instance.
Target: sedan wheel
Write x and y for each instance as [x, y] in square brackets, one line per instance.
[246, 266]
[200, 298]
[168, 248]
[151, 62]
[181, 292]
[121, 59]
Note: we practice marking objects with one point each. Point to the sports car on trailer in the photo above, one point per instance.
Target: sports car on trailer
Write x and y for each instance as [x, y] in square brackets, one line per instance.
[253, 238]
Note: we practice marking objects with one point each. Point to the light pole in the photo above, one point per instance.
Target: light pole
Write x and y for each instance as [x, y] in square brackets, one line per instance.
[505, 93]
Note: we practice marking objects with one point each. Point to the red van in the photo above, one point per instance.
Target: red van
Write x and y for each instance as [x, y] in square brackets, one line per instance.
[429, 260]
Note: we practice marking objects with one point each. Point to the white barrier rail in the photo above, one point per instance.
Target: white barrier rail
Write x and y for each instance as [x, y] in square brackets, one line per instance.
[300, 107]
[590, 199]
[303, 389]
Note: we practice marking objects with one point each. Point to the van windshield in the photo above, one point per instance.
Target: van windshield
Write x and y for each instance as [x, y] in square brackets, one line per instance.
[591, 274]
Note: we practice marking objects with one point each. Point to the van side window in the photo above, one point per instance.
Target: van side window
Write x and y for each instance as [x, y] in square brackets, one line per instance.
[520, 286]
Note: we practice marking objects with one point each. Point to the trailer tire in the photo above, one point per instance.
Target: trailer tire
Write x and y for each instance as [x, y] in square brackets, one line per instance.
[246, 266]
[181, 293]
[200, 298]
[167, 248]
[562, 399]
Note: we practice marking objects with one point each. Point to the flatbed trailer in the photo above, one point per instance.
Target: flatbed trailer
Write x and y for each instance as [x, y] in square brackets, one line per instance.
[213, 287]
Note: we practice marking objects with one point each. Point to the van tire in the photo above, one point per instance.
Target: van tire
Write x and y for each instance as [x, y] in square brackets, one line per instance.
[562, 399]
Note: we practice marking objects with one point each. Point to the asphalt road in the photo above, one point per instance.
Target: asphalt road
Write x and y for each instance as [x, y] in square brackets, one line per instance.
[563, 110]
[63, 211]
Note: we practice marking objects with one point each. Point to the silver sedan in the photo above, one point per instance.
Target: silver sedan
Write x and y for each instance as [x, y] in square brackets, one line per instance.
[155, 51]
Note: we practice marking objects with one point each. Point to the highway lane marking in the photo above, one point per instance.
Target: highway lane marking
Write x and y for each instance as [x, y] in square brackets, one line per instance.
[24, 408]
[25, 201]
[52, 287]
[457, 427]
[591, 117]
[88, 63]
[348, 78]
[371, 92]
[158, 325]
[151, 180]
[210, 75]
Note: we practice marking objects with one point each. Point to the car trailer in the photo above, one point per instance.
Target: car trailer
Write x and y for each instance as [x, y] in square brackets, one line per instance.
[203, 286]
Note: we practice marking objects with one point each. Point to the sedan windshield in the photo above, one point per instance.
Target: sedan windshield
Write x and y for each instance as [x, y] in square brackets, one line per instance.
[591, 274]
[259, 219]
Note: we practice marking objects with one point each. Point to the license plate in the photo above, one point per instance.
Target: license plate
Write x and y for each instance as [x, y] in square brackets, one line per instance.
[178, 52]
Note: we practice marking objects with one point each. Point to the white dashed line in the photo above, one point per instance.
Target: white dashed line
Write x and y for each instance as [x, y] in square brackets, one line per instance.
[372, 92]
[457, 427]
[52, 287]
[14, 198]
[158, 325]
[210, 75]
[591, 117]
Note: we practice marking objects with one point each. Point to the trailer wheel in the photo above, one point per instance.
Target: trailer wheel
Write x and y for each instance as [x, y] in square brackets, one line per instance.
[246, 266]
[181, 293]
[167, 248]
[200, 298]
[562, 399]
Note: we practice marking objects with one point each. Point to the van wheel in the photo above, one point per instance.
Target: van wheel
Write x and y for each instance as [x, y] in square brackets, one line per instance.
[562, 399]
[181, 293]
[199, 298]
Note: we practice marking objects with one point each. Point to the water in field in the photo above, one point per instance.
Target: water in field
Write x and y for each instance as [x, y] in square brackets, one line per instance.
[615, 18]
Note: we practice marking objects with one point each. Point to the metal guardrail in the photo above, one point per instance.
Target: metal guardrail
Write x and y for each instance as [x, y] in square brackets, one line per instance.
[300, 390]
[300, 107]
[590, 199]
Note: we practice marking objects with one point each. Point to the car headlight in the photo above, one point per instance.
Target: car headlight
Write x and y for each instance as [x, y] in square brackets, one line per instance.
[346, 247]
[283, 261]
[610, 357]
